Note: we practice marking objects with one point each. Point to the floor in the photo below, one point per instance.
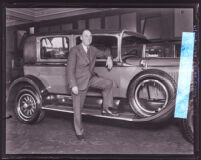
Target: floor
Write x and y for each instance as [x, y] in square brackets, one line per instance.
[55, 135]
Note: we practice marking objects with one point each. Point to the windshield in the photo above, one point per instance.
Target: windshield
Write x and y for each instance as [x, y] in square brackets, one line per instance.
[103, 42]
[133, 46]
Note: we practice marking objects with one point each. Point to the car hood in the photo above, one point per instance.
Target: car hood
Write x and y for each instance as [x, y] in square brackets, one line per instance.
[154, 62]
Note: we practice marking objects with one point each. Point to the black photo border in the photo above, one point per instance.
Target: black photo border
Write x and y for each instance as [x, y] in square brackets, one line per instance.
[96, 4]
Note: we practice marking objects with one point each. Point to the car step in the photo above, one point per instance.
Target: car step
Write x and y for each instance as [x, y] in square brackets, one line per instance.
[92, 112]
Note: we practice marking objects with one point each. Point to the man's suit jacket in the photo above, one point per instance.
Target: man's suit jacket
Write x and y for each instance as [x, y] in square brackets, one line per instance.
[80, 65]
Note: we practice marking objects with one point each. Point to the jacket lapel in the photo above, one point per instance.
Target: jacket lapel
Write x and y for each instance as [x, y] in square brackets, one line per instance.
[83, 54]
[90, 56]
[91, 53]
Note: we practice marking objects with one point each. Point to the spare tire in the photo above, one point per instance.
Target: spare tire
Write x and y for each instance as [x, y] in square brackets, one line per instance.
[150, 92]
[187, 125]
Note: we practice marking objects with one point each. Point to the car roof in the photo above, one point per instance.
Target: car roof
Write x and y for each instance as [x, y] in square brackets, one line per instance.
[78, 32]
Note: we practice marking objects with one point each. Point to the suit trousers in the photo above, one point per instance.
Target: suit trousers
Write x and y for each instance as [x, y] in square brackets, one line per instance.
[78, 100]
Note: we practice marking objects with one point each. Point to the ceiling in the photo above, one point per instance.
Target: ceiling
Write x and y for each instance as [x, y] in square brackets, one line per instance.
[16, 16]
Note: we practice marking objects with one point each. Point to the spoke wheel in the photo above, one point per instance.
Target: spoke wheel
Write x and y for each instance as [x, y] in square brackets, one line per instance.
[28, 105]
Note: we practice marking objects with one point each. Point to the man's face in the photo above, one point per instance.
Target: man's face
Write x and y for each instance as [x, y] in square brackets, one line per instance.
[86, 38]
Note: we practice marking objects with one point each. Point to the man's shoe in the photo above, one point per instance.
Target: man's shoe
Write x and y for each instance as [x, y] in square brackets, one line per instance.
[109, 112]
[80, 137]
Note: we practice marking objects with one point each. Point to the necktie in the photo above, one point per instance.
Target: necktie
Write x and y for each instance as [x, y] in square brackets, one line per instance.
[87, 49]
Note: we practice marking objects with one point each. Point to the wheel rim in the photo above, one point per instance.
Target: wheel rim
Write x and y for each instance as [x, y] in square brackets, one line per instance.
[150, 96]
[26, 106]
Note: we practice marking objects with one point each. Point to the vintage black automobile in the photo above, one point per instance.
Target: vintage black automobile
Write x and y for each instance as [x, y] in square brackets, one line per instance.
[144, 74]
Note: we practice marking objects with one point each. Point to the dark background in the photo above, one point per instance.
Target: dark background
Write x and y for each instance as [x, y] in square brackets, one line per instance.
[155, 23]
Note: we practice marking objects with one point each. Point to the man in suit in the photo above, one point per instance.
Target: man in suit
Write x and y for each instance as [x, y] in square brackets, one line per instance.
[81, 76]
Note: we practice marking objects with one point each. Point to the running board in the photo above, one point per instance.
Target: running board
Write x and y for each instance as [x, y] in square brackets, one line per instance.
[126, 116]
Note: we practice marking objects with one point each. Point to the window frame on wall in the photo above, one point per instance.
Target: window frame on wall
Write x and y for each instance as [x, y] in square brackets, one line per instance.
[39, 45]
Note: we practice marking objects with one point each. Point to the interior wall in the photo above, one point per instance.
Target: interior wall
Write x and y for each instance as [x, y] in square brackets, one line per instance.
[129, 21]
[112, 22]
[152, 28]
[167, 23]
[95, 23]
[109, 22]
[66, 27]
[10, 39]
[10, 51]
[183, 21]
[81, 24]
[55, 28]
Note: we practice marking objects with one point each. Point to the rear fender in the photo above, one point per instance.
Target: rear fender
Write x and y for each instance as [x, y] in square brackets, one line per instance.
[29, 80]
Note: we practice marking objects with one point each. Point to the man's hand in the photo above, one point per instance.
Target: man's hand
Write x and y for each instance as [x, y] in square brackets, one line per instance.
[75, 90]
[109, 63]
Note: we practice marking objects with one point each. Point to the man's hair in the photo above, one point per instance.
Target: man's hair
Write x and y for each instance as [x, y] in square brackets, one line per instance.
[85, 31]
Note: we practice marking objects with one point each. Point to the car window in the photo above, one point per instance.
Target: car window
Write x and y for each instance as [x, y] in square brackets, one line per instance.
[54, 48]
[131, 46]
[156, 51]
[163, 50]
[177, 49]
[103, 43]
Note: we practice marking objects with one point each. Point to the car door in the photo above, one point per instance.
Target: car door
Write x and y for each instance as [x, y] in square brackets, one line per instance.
[50, 68]
[103, 42]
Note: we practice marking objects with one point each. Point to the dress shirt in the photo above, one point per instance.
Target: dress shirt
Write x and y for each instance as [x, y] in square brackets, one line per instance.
[85, 47]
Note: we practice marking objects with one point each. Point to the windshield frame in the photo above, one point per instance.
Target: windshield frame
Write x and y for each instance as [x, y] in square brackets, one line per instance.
[138, 36]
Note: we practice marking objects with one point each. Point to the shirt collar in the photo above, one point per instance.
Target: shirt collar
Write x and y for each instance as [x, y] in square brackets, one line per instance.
[85, 47]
